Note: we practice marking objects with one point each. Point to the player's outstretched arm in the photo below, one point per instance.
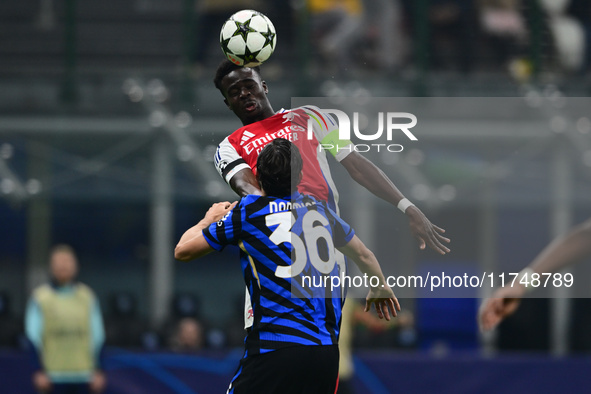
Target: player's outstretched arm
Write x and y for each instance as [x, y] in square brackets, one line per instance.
[564, 250]
[381, 297]
[373, 179]
[561, 252]
[192, 244]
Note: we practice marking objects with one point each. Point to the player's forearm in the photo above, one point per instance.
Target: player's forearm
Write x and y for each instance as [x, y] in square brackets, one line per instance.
[192, 244]
[368, 264]
[364, 258]
[193, 231]
[193, 248]
[565, 250]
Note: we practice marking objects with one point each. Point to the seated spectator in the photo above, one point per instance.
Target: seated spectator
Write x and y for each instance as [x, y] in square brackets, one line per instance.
[580, 10]
[504, 28]
[335, 25]
[123, 326]
[451, 32]
[188, 337]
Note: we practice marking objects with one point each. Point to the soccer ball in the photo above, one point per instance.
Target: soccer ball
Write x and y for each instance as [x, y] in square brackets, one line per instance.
[248, 38]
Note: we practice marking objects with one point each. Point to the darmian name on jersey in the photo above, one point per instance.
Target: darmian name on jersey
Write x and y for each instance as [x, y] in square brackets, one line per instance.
[288, 205]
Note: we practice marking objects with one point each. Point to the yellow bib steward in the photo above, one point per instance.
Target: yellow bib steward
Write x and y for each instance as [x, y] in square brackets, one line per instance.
[66, 337]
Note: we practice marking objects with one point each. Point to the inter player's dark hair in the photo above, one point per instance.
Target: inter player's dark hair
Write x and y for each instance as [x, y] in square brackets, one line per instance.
[225, 68]
[279, 166]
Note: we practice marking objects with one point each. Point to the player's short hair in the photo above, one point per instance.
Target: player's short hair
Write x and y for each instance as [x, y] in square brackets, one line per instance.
[225, 68]
[62, 248]
[278, 167]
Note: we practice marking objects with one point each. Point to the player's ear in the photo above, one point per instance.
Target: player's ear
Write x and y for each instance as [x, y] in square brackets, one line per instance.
[265, 87]
[227, 103]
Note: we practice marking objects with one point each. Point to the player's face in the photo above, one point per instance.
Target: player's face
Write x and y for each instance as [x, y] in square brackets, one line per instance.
[246, 95]
[63, 267]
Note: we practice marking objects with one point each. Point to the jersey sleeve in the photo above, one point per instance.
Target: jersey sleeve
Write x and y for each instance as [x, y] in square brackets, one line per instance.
[342, 231]
[326, 131]
[228, 161]
[226, 231]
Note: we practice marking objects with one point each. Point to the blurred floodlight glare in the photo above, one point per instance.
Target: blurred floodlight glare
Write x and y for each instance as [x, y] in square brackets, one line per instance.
[584, 125]
[185, 153]
[33, 186]
[557, 99]
[157, 118]
[415, 157]
[362, 96]
[421, 192]
[183, 119]
[447, 192]
[6, 151]
[558, 124]
[128, 85]
[533, 98]
[158, 90]
[7, 186]
[136, 94]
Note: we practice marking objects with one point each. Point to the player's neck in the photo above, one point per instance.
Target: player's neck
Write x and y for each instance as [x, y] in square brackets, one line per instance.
[267, 113]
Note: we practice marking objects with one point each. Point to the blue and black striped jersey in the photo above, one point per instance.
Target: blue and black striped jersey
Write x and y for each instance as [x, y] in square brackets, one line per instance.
[281, 241]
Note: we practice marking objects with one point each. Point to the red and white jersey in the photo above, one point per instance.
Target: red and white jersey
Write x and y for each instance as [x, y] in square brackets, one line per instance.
[241, 149]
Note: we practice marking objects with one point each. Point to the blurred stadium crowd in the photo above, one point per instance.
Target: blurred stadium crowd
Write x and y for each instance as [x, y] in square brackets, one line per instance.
[326, 37]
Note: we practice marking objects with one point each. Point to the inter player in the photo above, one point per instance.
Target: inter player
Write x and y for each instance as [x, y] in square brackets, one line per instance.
[292, 345]
[565, 250]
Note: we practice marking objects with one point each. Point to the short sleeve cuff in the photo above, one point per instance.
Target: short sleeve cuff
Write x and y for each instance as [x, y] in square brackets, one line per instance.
[210, 239]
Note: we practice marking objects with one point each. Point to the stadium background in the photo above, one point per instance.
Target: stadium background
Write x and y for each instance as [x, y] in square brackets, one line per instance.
[109, 121]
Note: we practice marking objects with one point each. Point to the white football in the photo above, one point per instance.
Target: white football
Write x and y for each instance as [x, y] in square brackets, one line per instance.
[248, 38]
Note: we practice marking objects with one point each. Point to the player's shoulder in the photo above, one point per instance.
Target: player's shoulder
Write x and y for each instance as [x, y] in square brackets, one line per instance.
[310, 110]
[84, 290]
[306, 202]
[258, 200]
[42, 292]
[248, 199]
[304, 110]
[321, 117]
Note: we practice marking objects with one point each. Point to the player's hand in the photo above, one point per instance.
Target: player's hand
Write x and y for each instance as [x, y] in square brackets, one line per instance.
[504, 302]
[41, 382]
[98, 382]
[219, 210]
[426, 232]
[384, 301]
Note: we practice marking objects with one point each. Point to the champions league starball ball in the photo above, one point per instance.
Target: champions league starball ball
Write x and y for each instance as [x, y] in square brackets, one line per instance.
[248, 38]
